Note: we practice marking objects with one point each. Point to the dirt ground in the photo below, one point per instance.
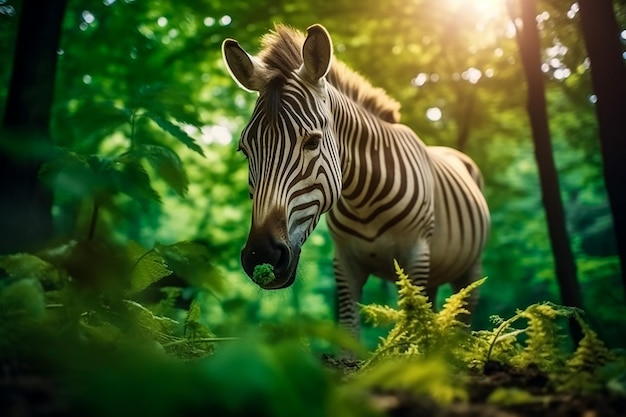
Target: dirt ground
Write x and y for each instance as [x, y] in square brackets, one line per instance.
[546, 402]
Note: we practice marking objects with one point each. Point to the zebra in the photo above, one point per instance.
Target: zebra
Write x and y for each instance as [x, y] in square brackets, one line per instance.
[322, 139]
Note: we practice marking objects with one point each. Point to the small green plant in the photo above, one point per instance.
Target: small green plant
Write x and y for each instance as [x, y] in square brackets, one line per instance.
[263, 274]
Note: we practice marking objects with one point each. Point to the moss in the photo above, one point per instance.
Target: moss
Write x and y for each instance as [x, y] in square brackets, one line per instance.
[263, 274]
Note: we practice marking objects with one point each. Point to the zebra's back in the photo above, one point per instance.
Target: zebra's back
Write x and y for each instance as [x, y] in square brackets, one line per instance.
[461, 214]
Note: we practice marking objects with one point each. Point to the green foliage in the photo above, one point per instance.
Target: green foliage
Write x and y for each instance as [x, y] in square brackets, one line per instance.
[263, 274]
[584, 371]
[512, 396]
[418, 330]
[145, 122]
[431, 378]
[543, 342]
[420, 334]
[87, 288]
[135, 96]
[120, 357]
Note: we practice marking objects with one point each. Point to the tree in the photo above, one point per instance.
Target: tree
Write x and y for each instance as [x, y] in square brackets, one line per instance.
[25, 217]
[608, 75]
[565, 265]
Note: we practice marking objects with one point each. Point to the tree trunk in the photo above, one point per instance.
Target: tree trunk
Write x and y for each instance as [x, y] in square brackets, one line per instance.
[25, 217]
[608, 76]
[528, 40]
[465, 119]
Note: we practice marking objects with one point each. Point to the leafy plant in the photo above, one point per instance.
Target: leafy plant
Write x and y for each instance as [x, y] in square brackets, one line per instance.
[145, 121]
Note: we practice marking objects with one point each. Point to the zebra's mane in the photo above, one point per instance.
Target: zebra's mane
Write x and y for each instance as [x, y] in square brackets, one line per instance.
[281, 55]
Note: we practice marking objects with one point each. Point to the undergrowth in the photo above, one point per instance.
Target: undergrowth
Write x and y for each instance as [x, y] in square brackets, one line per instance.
[533, 337]
[78, 313]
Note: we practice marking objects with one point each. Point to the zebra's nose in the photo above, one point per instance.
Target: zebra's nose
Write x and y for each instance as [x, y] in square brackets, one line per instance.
[266, 250]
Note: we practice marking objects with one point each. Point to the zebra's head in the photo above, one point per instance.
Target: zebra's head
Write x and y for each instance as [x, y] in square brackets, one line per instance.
[293, 159]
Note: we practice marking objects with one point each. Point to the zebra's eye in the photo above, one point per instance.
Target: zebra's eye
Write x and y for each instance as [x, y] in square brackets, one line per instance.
[313, 141]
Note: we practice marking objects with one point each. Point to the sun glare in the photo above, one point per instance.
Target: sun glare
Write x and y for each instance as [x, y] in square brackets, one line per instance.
[482, 5]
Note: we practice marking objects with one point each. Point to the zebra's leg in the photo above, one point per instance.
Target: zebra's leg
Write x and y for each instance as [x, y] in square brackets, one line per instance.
[419, 270]
[418, 267]
[471, 275]
[350, 278]
[431, 293]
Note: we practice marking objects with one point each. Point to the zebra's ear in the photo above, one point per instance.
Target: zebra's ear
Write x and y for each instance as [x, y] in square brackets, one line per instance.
[241, 65]
[317, 53]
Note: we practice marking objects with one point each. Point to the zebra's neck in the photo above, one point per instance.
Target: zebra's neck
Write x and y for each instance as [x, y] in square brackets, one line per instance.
[384, 170]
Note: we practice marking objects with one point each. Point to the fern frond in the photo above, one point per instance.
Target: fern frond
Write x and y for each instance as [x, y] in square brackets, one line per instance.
[412, 300]
[591, 352]
[417, 329]
[543, 337]
[380, 315]
[454, 306]
[582, 373]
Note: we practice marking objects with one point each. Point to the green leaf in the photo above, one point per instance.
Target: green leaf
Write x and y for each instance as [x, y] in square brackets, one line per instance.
[153, 325]
[192, 320]
[131, 178]
[23, 296]
[175, 130]
[71, 173]
[163, 100]
[148, 267]
[95, 119]
[191, 261]
[25, 266]
[167, 164]
[380, 315]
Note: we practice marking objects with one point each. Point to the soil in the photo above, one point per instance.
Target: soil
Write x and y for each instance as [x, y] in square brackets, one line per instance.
[546, 402]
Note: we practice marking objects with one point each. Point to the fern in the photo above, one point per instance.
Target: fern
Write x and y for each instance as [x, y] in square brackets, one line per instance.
[418, 330]
[542, 345]
[454, 307]
[380, 315]
[420, 333]
[581, 373]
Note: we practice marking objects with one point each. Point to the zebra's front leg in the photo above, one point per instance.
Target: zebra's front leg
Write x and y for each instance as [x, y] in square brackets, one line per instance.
[349, 278]
[471, 275]
[418, 268]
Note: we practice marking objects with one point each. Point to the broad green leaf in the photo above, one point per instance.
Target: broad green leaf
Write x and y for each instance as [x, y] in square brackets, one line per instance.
[175, 130]
[167, 164]
[194, 313]
[94, 119]
[69, 172]
[164, 100]
[191, 261]
[131, 178]
[148, 268]
[152, 324]
[26, 266]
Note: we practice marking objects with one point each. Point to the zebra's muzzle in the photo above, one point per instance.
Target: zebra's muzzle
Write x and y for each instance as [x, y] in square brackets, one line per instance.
[266, 249]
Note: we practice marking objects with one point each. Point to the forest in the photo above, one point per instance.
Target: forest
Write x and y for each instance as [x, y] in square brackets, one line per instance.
[124, 206]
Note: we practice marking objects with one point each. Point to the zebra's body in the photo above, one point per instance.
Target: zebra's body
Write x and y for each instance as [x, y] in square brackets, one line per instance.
[336, 146]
